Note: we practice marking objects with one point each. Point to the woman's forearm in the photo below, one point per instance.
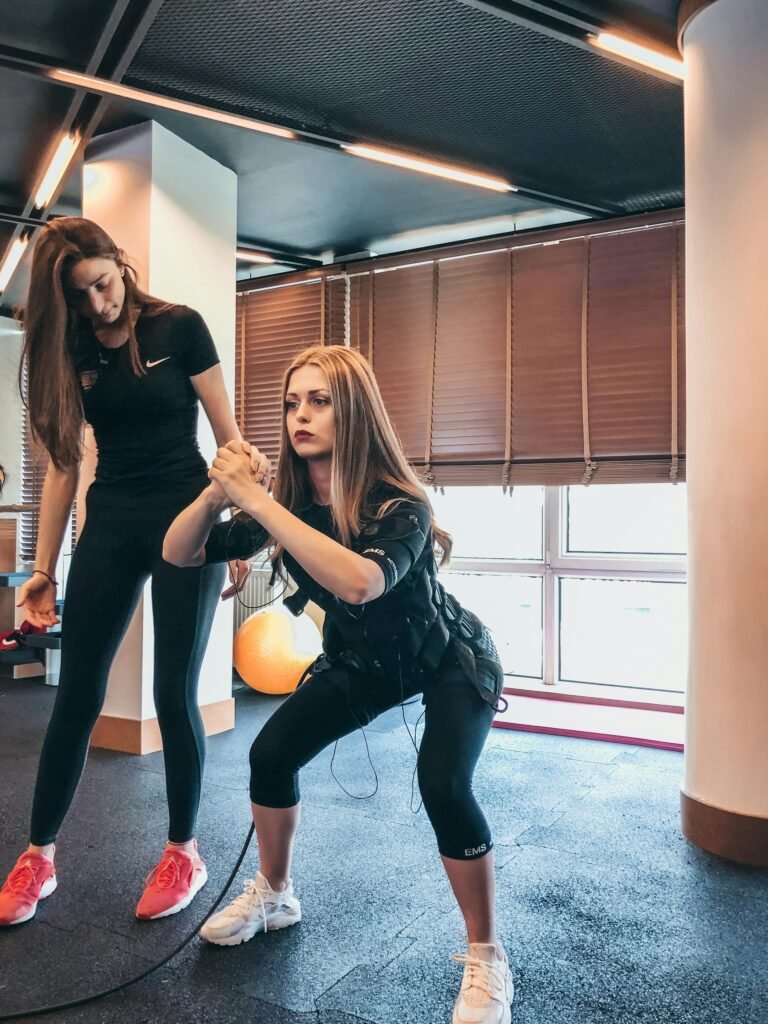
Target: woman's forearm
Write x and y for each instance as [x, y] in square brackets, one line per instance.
[184, 542]
[346, 574]
[212, 393]
[59, 490]
[225, 427]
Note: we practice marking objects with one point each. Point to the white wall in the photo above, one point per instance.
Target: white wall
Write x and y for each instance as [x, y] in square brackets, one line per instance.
[174, 211]
[11, 410]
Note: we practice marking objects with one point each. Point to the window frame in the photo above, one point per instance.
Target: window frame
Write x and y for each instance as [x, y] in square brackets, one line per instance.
[556, 565]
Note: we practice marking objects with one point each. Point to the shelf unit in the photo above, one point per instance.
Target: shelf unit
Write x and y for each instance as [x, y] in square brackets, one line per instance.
[41, 653]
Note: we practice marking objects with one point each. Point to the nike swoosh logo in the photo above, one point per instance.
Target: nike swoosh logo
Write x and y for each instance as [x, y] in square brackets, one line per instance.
[156, 362]
[9, 643]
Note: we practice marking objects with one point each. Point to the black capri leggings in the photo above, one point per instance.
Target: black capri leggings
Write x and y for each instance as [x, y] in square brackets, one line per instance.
[116, 553]
[332, 703]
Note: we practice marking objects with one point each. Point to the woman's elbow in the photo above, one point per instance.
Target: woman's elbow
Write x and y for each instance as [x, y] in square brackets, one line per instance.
[173, 555]
[170, 554]
[365, 588]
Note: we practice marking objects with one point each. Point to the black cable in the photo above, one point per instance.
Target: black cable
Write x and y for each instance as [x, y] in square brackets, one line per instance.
[414, 738]
[355, 796]
[56, 1007]
[240, 601]
[403, 702]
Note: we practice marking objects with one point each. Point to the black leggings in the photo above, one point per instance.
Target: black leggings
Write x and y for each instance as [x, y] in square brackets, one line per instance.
[332, 703]
[116, 553]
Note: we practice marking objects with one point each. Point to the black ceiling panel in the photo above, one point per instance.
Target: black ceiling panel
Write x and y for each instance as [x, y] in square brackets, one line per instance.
[6, 233]
[67, 31]
[435, 76]
[302, 198]
[29, 125]
[656, 19]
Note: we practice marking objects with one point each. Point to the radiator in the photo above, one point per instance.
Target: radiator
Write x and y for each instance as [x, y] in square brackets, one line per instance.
[255, 595]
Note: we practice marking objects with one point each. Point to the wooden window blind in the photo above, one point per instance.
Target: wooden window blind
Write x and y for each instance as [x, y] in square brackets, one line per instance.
[403, 345]
[336, 311]
[273, 325]
[556, 359]
[469, 407]
[34, 463]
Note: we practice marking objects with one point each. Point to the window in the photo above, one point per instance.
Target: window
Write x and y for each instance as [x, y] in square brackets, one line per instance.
[512, 608]
[581, 586]
[486, 523]
[626, 519]
[623, 632]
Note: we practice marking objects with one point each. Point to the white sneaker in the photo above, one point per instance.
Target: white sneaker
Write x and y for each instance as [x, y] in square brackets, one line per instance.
[257, 909]
[487, 990]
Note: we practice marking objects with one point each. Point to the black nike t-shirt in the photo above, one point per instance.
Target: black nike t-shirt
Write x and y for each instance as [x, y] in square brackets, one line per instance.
[146, 426]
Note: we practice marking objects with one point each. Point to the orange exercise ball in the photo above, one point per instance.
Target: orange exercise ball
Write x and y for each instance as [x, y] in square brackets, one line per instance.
[273, 648]
[316, 613]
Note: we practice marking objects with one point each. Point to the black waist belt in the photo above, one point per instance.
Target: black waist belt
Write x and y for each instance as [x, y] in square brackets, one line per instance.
[452, 625]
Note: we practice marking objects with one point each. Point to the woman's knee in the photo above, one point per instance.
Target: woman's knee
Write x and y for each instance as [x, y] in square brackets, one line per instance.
[268, 754]
[444, 794]
[172, 705]
[274, 776]
[77, 710]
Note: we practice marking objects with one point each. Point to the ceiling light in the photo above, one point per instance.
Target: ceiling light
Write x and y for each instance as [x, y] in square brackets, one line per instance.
[638, 54]
[56, 169]
[11, 261]
[253, 257]
[411, 163]
[106, 88]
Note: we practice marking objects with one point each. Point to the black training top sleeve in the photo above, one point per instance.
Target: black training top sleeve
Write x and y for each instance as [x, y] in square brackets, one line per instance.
[240, 537]
[395, 541]
[196, 350]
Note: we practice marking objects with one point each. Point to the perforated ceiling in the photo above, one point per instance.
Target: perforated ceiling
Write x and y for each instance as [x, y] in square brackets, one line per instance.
[437, 77]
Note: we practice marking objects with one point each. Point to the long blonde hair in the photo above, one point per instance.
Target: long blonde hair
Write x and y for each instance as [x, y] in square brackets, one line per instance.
[366, 453]
[51, 329]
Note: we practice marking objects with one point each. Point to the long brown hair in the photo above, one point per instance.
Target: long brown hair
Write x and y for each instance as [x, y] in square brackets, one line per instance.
[366, 453]
[51, 329]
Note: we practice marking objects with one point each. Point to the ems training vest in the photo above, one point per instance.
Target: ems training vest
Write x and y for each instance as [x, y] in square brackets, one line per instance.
[404, 633]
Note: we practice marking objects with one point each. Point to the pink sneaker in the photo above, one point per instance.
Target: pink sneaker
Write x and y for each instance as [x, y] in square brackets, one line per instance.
[172, 885]
[16, 638]
[33, 878]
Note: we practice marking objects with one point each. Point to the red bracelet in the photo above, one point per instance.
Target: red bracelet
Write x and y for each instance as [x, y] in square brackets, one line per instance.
[44, 573]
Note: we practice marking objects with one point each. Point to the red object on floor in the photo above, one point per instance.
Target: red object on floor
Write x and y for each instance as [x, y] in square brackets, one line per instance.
[32, 879]
[14, 638]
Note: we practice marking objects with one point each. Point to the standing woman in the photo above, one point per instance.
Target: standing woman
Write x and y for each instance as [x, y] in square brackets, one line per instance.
[355, 530]
[100, 350]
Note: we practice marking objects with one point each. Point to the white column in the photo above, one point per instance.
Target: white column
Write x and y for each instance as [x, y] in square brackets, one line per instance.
[174, 211]
[725, 791]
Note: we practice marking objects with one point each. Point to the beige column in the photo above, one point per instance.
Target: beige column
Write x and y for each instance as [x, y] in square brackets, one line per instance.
[725, 790]
[174, 211]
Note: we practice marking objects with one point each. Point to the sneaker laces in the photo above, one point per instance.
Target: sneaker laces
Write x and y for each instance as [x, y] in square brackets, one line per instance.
[253, 891]
[166, 874]
[482, 980]
[20, 879]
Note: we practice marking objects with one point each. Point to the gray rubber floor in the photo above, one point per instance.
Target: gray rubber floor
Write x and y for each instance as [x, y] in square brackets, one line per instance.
[607, 913]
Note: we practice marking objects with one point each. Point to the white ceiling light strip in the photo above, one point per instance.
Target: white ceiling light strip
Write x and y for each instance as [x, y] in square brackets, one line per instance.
[411, 163]
[643, 55]
[106, 88]
[11, 261]
[55, 170]
[253, 257]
